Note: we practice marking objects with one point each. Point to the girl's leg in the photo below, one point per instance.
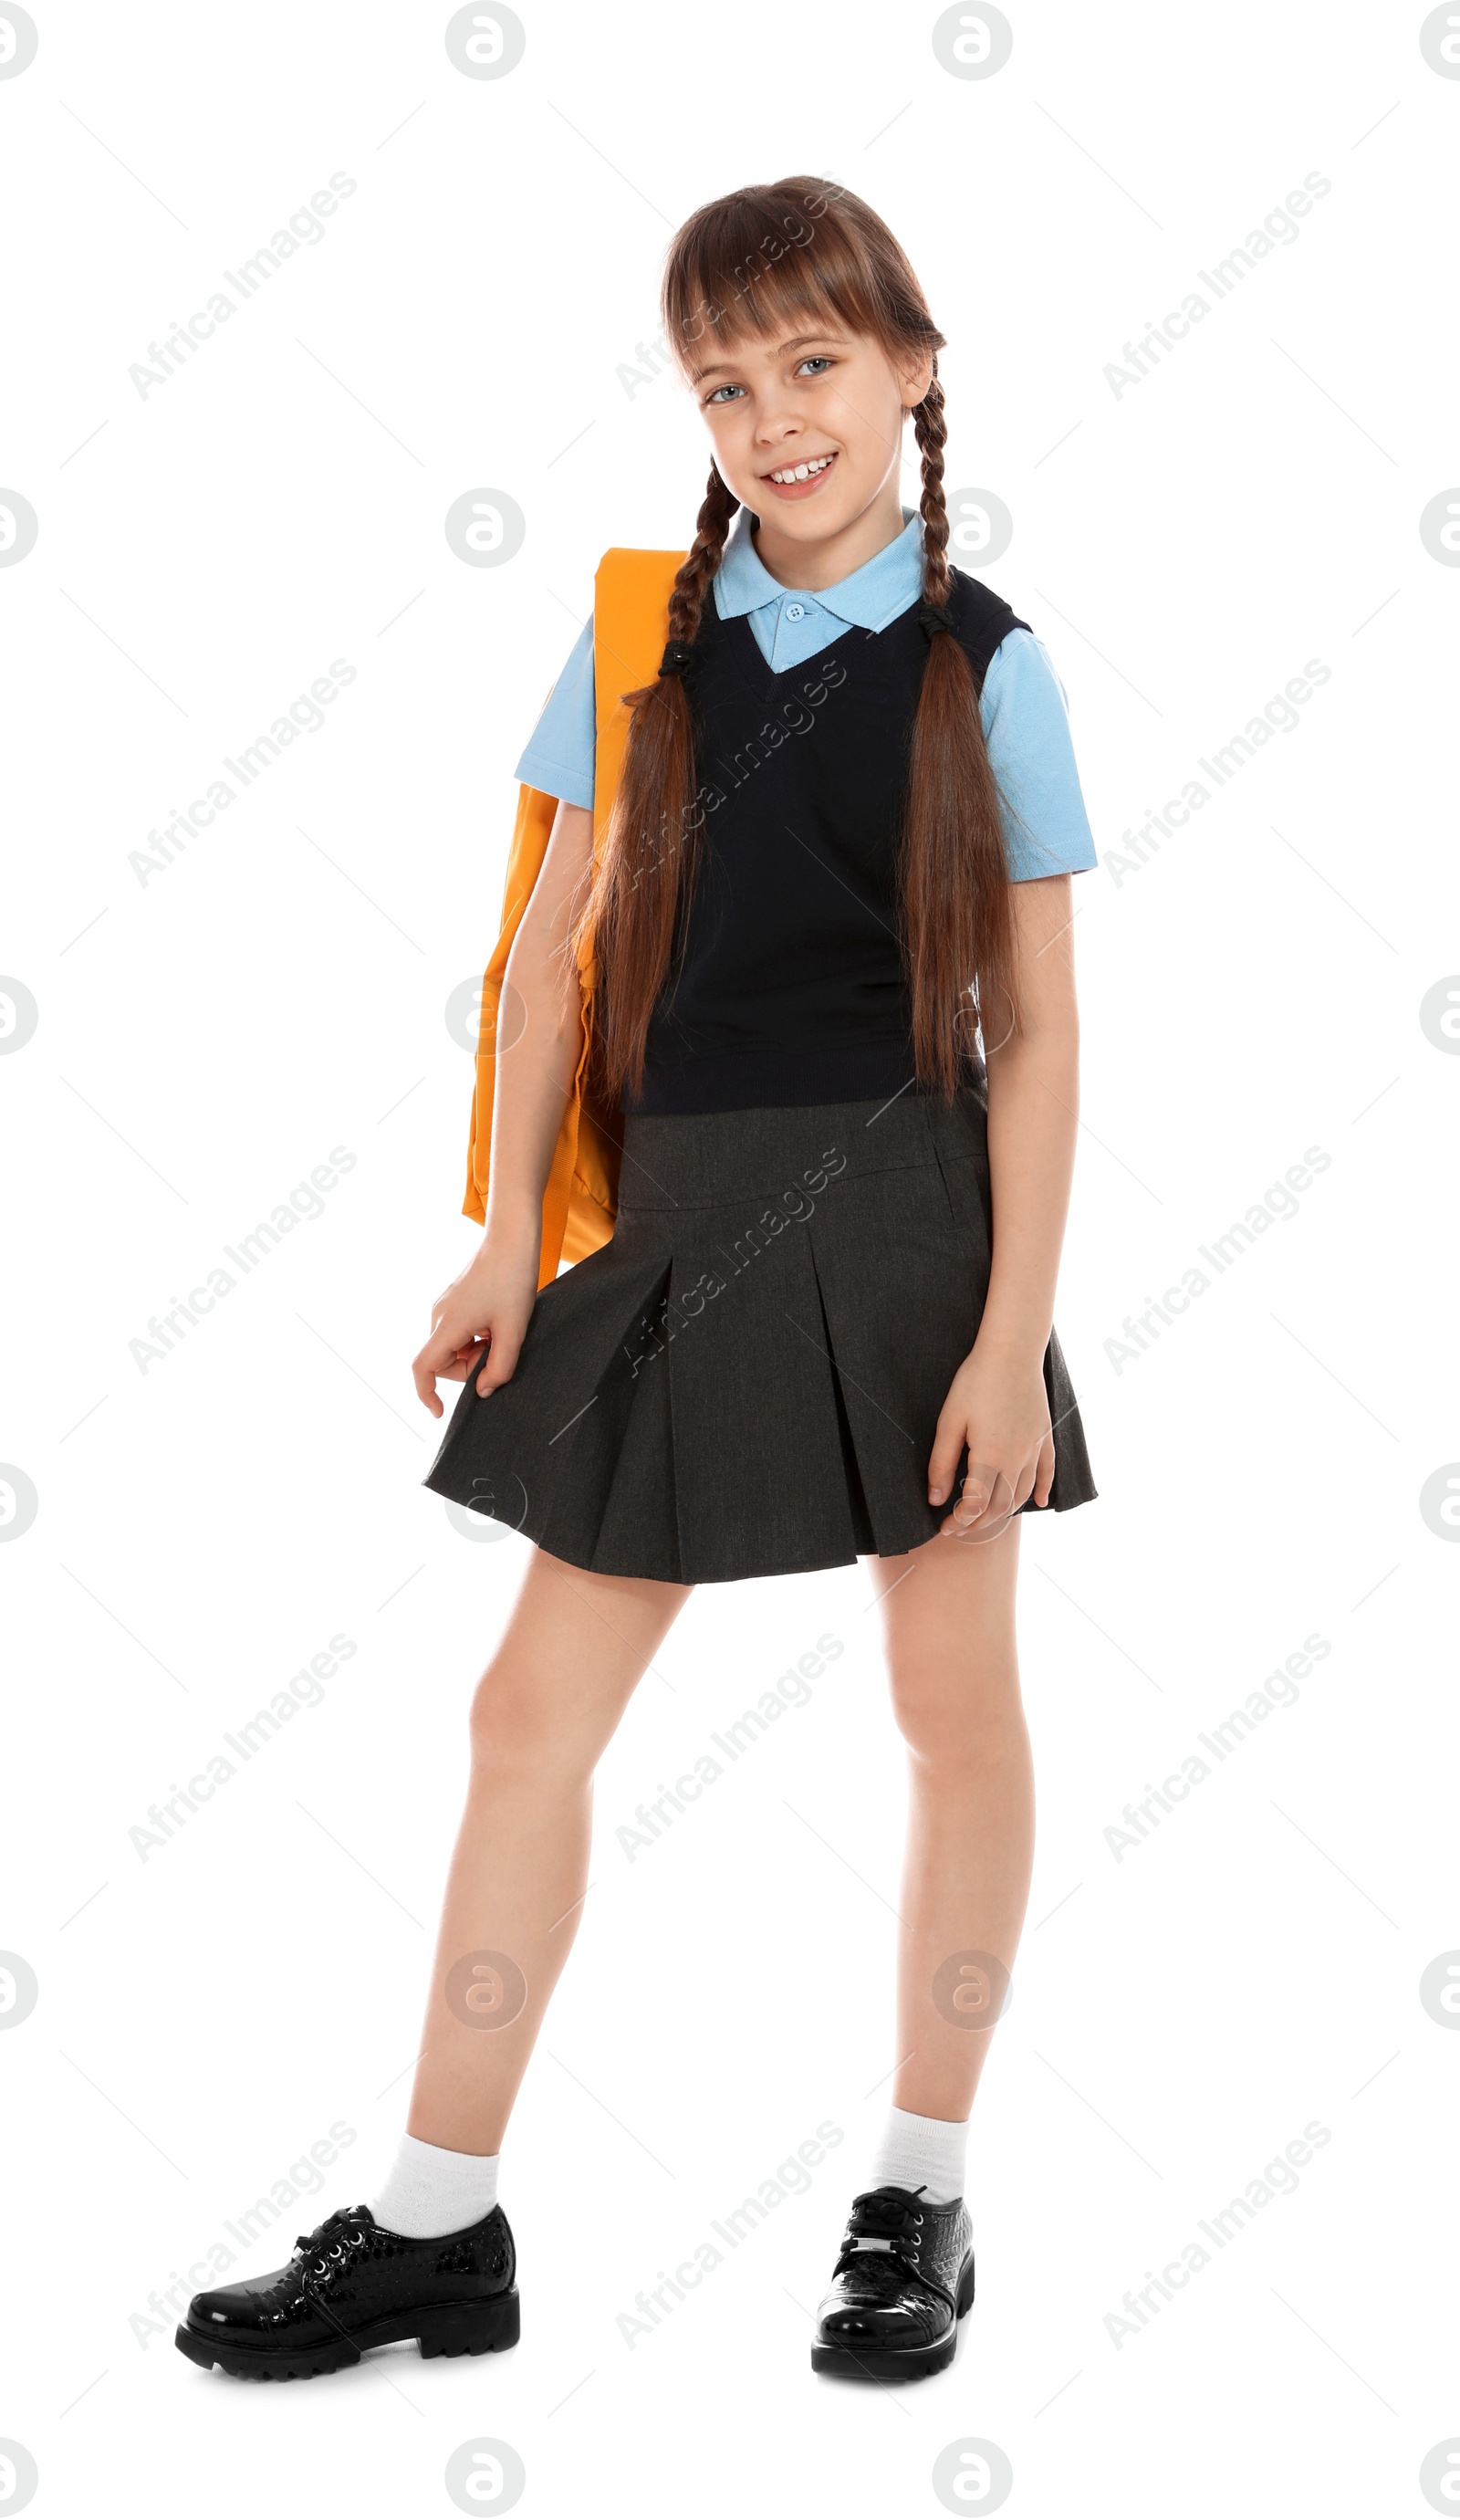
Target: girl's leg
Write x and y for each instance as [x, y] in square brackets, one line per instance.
[548, 1701]
[948, 1611]
[547, 1706]
[905, 2276]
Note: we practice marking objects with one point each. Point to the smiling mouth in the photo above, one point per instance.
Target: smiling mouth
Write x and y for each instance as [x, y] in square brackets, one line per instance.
[798, 480]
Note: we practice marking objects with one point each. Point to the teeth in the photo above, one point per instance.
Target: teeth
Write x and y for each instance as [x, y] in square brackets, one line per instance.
[802, 472]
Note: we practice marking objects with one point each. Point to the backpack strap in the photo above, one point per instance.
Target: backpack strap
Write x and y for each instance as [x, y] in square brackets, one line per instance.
[631, 623]
[631, 609]
[526, 850]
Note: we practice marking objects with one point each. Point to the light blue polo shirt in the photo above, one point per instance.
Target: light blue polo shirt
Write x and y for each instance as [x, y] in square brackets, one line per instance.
[1023, 710]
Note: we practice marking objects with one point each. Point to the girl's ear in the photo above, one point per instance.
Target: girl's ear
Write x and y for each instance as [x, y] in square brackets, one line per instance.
[916, 377]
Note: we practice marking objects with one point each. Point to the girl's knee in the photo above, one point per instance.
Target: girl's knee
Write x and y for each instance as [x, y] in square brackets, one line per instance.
[954, 1718]
[508, 1724]
[519, 1724]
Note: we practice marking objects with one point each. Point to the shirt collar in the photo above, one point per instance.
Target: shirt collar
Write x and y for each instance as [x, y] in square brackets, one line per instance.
[872, 595]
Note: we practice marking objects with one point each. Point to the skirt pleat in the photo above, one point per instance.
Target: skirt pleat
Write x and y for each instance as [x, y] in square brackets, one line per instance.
[747, 1378]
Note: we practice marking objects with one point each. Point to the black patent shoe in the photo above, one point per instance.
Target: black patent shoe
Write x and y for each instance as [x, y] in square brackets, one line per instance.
[350, 2285]
[903, 2281]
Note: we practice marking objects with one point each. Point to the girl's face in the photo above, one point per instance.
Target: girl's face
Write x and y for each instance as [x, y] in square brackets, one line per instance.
[828, 399]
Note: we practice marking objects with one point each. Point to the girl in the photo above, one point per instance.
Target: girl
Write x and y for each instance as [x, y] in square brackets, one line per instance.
[814, 978]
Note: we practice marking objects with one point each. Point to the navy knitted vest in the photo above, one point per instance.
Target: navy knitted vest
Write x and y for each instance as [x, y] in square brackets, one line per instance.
[787, 984]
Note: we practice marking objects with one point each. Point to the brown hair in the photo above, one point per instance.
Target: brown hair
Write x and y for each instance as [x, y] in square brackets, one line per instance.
[739, 266]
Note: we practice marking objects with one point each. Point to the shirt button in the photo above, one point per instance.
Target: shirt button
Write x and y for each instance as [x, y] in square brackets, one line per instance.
[795, 611]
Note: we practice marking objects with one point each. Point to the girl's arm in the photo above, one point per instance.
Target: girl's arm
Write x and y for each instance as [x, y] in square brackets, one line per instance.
[998, 1403]
[488, 1307]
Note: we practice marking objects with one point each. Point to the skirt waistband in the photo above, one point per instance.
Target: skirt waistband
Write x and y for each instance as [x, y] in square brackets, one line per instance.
[683, 1159]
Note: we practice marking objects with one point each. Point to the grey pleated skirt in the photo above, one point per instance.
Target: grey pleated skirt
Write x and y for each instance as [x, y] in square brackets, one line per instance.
[747, 1378]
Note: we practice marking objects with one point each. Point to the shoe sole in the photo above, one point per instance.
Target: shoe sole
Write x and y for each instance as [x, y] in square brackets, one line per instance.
[457, 2327]
[896, 2361]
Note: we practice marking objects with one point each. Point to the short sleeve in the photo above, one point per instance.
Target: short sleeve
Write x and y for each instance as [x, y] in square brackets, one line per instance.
[560, 755]
[1027, 730]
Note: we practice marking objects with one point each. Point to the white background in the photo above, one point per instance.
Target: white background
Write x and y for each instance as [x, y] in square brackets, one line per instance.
[204, 1038]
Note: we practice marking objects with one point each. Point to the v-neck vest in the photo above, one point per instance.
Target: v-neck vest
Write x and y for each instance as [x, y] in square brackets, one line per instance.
[789, 982]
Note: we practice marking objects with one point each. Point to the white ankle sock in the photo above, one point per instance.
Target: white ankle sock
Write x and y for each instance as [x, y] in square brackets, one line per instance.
[921, 2153]
[429, 2192]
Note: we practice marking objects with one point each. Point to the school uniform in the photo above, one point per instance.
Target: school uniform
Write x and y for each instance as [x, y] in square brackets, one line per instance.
[747, 1378]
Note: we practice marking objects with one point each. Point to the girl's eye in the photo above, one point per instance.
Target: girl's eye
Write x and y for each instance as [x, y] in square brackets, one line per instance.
[820, 359]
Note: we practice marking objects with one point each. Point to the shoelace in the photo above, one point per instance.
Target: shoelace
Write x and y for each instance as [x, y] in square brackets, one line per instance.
[879, 2243]
[320, 2252]
[881, 2222]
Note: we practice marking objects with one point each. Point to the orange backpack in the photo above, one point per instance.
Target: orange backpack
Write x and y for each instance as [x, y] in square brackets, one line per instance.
[631, 623]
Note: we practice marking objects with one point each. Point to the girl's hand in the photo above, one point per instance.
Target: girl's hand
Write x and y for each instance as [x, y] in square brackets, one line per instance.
[997, 1406]
[482, 1314]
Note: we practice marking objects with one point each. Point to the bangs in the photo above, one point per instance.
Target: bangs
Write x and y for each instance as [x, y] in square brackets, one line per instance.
[773, 258]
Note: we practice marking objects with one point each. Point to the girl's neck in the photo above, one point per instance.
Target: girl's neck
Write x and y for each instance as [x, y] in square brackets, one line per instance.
[812, 566]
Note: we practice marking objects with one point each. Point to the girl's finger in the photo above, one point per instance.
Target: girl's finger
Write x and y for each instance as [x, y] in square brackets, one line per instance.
[499, 1367]
[1044, 1476]
[443, 1361]
[976, 1493]
[990, 1495]
[943, 1461]
[981, 1503]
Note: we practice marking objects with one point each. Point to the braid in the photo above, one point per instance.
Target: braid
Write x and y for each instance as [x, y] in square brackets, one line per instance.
[931, 430]
[958, 923]
[646, 867]
[702, 560]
